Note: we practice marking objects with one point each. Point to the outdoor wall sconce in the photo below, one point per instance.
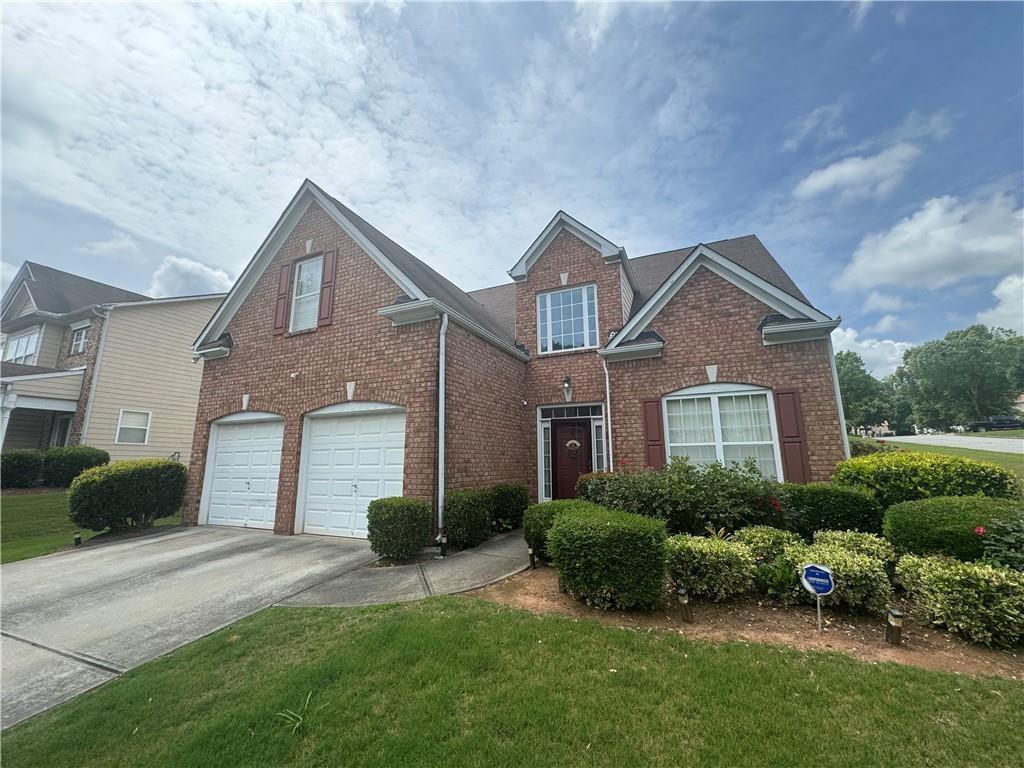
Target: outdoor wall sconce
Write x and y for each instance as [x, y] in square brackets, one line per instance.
[567, 389]
[894, 627]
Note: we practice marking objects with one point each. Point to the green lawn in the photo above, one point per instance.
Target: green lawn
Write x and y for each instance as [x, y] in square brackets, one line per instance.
[34, 524]
[458, 681]
[1017, 433]
[1012, 461]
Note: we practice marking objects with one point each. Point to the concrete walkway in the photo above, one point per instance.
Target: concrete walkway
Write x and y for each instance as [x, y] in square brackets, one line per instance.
[999, 444]
[74, 620]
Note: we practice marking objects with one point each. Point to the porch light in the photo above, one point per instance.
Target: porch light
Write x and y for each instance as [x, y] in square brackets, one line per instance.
[685, 608]
[567, 389]
[894, 627]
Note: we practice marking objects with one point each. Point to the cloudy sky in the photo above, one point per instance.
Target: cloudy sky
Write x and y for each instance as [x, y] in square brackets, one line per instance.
[875, 148]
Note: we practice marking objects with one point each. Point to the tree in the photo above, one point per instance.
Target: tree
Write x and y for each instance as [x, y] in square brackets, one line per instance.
[966, 375]
[862, 392]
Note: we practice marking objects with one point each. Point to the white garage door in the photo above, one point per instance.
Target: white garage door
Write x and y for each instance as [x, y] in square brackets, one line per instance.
[350, 461]
[246, 464]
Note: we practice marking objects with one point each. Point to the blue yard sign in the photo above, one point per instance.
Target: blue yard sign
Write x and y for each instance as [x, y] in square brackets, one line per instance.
[817, 579]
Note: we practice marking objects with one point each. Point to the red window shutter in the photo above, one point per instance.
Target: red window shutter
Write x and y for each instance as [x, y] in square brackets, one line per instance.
[326, 313]
[792, 436]
[653, 434]
[281, 305]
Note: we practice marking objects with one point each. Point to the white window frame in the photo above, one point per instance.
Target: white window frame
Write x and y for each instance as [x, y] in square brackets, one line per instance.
[714, 391]
[586, 325]
[78, 342]
[295, 287]
[545, 473]
[30, 357]
[120, 417]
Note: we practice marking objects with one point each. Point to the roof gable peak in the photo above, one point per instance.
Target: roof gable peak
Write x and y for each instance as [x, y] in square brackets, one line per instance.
[559, 222]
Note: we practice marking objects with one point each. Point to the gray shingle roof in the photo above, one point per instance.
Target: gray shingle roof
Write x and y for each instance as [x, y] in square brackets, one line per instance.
[54, 290]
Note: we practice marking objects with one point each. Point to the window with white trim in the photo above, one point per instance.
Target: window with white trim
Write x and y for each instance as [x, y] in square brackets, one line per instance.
[306, 293]
[725, 423]
[21, 349]
[78, 338]
[133, 427]
[567, 319]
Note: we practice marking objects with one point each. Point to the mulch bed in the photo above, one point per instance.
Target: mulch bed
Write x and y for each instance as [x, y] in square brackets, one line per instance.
[760, 621]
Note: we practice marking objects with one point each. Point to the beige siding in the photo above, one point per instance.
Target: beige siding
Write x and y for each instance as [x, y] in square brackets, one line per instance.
[50, 338]
[25, 429]
[627, 295]
[23, 303]
[146, 365]
[60, 387]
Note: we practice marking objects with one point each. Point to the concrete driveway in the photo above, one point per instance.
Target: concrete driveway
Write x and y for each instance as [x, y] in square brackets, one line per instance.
[1000, 444]
[74, 620]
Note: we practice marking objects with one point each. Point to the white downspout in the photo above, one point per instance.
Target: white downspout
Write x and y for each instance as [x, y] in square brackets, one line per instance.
[440, 420]
[839, 398]
[608, 416]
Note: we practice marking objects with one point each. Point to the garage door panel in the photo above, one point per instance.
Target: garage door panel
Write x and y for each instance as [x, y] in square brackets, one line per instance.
[246, 466]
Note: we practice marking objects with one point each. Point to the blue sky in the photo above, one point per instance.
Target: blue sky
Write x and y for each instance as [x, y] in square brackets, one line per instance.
[877, 149]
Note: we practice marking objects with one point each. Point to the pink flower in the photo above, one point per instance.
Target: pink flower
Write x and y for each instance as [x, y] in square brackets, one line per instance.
[980, 530]
[776, 504]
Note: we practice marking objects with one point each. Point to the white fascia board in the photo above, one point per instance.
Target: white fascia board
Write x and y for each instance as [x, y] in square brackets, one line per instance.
[308, 194]
[33, 376]
[428, 309]
[47, 403]
[17, 283]
[211, 354]
[747, 281]
[167, 300]
[784, 334]
[562, 220]
[632, 352]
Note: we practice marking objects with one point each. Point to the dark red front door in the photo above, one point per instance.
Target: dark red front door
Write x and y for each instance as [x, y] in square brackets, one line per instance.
[570, 448]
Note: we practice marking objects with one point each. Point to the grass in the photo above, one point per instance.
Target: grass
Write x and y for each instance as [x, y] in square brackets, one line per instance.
[1011, 461]
[33, 524]
[1016, 433]
[458, 681]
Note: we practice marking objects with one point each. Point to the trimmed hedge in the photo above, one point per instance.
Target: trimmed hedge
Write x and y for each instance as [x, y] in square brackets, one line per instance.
[709, 567]
[20, 468]
[538, 519]
[906, 476]
[508, 503]
[127, 494]
[764, 542]
[468, 517]
[609, 559]
[62, 465]
[1004, 543]
[983, 603]
[946, 525]
[862, 543]
[811, 507]
[398, 527]
[865, 446]
[861, 584]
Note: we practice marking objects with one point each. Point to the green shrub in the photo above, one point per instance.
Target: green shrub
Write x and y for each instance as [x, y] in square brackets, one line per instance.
[467, 517]
[538, 519]
[398, 527]
[949, 525]
[776, 579]
[126, 494]
[710, 567]
[863, 543]
[764, 542]
[609, 559]
[509, 501]
[861, 584]
[810, 507]
[983, 603]
[62, 465]
[906, 476]
[688, 497]
[865, 446]
[591, 485]
[1004, 543]
[20, 468]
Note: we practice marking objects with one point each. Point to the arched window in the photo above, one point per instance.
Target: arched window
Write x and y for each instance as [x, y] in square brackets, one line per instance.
[725, 423]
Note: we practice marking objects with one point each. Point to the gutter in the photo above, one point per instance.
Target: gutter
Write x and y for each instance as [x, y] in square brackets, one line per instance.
[839, 398]
[608, 418]
[441, 344]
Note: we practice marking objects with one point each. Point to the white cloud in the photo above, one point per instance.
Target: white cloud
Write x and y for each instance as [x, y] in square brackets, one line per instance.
[1009, 309]
[7, 272]
[593, 20]
[824, 123]
[859, 12]
[883, 302]
[885, 324]
[180, 276]
[859, 176]
[881, 356]
[118, 244]
[947, 240]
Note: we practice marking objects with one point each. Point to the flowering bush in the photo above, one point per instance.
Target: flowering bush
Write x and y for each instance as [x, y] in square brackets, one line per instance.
[947, 525]
[1003, 542]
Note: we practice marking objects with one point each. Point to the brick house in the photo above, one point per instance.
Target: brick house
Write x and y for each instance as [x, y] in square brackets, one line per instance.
[340, 368]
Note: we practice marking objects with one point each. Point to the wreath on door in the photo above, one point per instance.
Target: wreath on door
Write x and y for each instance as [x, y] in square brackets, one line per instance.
[573, 447]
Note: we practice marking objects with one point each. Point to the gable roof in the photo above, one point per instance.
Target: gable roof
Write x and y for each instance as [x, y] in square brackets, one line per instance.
[59, 292]
[499, 302]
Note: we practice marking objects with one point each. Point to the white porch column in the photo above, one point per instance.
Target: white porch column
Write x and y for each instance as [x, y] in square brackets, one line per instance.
[8, 401]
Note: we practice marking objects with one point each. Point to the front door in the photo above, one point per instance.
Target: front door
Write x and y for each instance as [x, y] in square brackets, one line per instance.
[570, 456]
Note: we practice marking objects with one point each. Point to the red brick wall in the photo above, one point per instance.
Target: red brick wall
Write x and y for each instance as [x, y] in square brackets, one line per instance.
[545, 373]
[389, 364]
[712, 322]
[488, 432]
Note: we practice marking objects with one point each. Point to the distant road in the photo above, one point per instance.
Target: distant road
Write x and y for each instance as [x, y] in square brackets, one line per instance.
[1001, 444]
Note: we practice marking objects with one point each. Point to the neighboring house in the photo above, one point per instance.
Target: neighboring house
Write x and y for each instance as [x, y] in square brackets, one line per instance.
[340, 369]
[85, 363]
